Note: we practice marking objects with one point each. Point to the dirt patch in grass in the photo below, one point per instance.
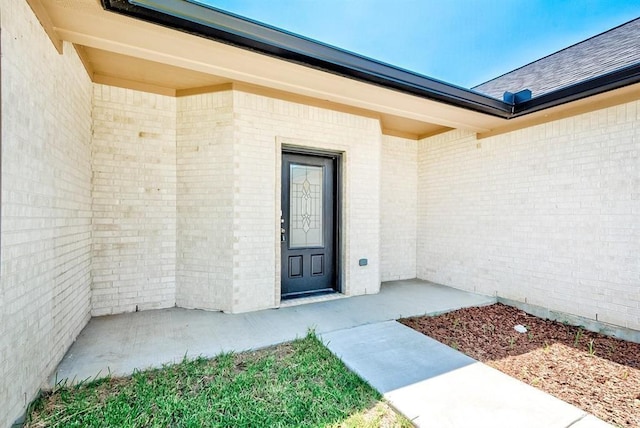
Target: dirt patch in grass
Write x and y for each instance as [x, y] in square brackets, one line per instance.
[596, 373]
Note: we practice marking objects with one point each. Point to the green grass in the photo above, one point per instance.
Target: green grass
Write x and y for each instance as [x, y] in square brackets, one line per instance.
[300, 384]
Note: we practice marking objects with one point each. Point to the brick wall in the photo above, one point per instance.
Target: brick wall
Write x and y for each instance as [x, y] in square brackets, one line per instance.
[207, 193]
[548, 215]
[399, 183]
[261, 126]
[205, 166]
[46, 206]
[134, 200]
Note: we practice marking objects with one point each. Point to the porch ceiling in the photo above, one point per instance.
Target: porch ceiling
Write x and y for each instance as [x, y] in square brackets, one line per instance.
[105, 65]
[136, 73]
[123, 51]
[127, 52]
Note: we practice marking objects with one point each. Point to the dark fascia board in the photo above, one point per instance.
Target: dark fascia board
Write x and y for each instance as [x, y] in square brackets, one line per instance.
[195, 18]
[206, 21]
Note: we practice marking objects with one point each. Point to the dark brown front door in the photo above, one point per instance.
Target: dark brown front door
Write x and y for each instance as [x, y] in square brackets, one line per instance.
[308, 224]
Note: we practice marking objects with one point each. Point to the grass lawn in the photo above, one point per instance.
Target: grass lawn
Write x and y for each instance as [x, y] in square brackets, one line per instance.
[299, 384]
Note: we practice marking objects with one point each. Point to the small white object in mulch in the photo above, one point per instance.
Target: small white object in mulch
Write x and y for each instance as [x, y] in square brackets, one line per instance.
[520, 328]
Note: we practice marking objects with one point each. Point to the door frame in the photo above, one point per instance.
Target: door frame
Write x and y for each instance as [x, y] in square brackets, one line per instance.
[338, 210]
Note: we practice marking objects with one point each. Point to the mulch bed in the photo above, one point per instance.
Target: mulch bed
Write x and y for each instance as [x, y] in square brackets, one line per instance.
[596, 373]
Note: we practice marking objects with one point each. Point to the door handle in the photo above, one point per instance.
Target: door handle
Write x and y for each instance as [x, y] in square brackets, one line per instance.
[282, 231]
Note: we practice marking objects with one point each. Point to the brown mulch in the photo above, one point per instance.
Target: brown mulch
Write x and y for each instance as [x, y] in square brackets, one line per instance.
[596, 373]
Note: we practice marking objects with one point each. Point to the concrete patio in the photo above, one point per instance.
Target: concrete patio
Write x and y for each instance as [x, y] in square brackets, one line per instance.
[119, 344]
[430, 383]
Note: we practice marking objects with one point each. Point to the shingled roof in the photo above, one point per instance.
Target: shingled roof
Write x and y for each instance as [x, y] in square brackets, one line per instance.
[612, 50]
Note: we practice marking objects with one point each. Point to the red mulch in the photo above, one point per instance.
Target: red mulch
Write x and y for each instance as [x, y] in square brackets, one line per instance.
[596, 373]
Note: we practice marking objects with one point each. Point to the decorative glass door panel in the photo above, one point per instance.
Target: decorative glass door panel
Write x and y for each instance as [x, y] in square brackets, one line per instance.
[308, 231]
[305, 215]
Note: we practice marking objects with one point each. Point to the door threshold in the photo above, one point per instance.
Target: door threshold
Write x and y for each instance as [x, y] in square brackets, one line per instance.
[314, 298]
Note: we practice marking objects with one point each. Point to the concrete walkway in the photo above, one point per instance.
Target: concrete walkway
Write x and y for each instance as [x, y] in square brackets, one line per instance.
[432, 384]
[436, 386]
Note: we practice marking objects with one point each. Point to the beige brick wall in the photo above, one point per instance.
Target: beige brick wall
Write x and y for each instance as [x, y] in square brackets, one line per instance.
[46, 206]
[222, 211]
[548, 215]
[261, 126]
[205, 165]
[134, 200]
[228, 159]
[399, 196]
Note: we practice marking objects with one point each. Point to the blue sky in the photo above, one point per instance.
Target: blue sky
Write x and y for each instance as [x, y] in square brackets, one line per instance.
[464, 42]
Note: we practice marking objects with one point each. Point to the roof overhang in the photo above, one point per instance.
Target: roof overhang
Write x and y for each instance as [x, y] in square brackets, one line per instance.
[179, 47]
[191, 17]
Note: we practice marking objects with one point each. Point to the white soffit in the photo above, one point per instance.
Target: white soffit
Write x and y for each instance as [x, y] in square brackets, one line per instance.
[85, 23]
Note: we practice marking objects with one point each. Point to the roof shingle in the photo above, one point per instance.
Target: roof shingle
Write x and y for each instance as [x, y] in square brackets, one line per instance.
[598, 55]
